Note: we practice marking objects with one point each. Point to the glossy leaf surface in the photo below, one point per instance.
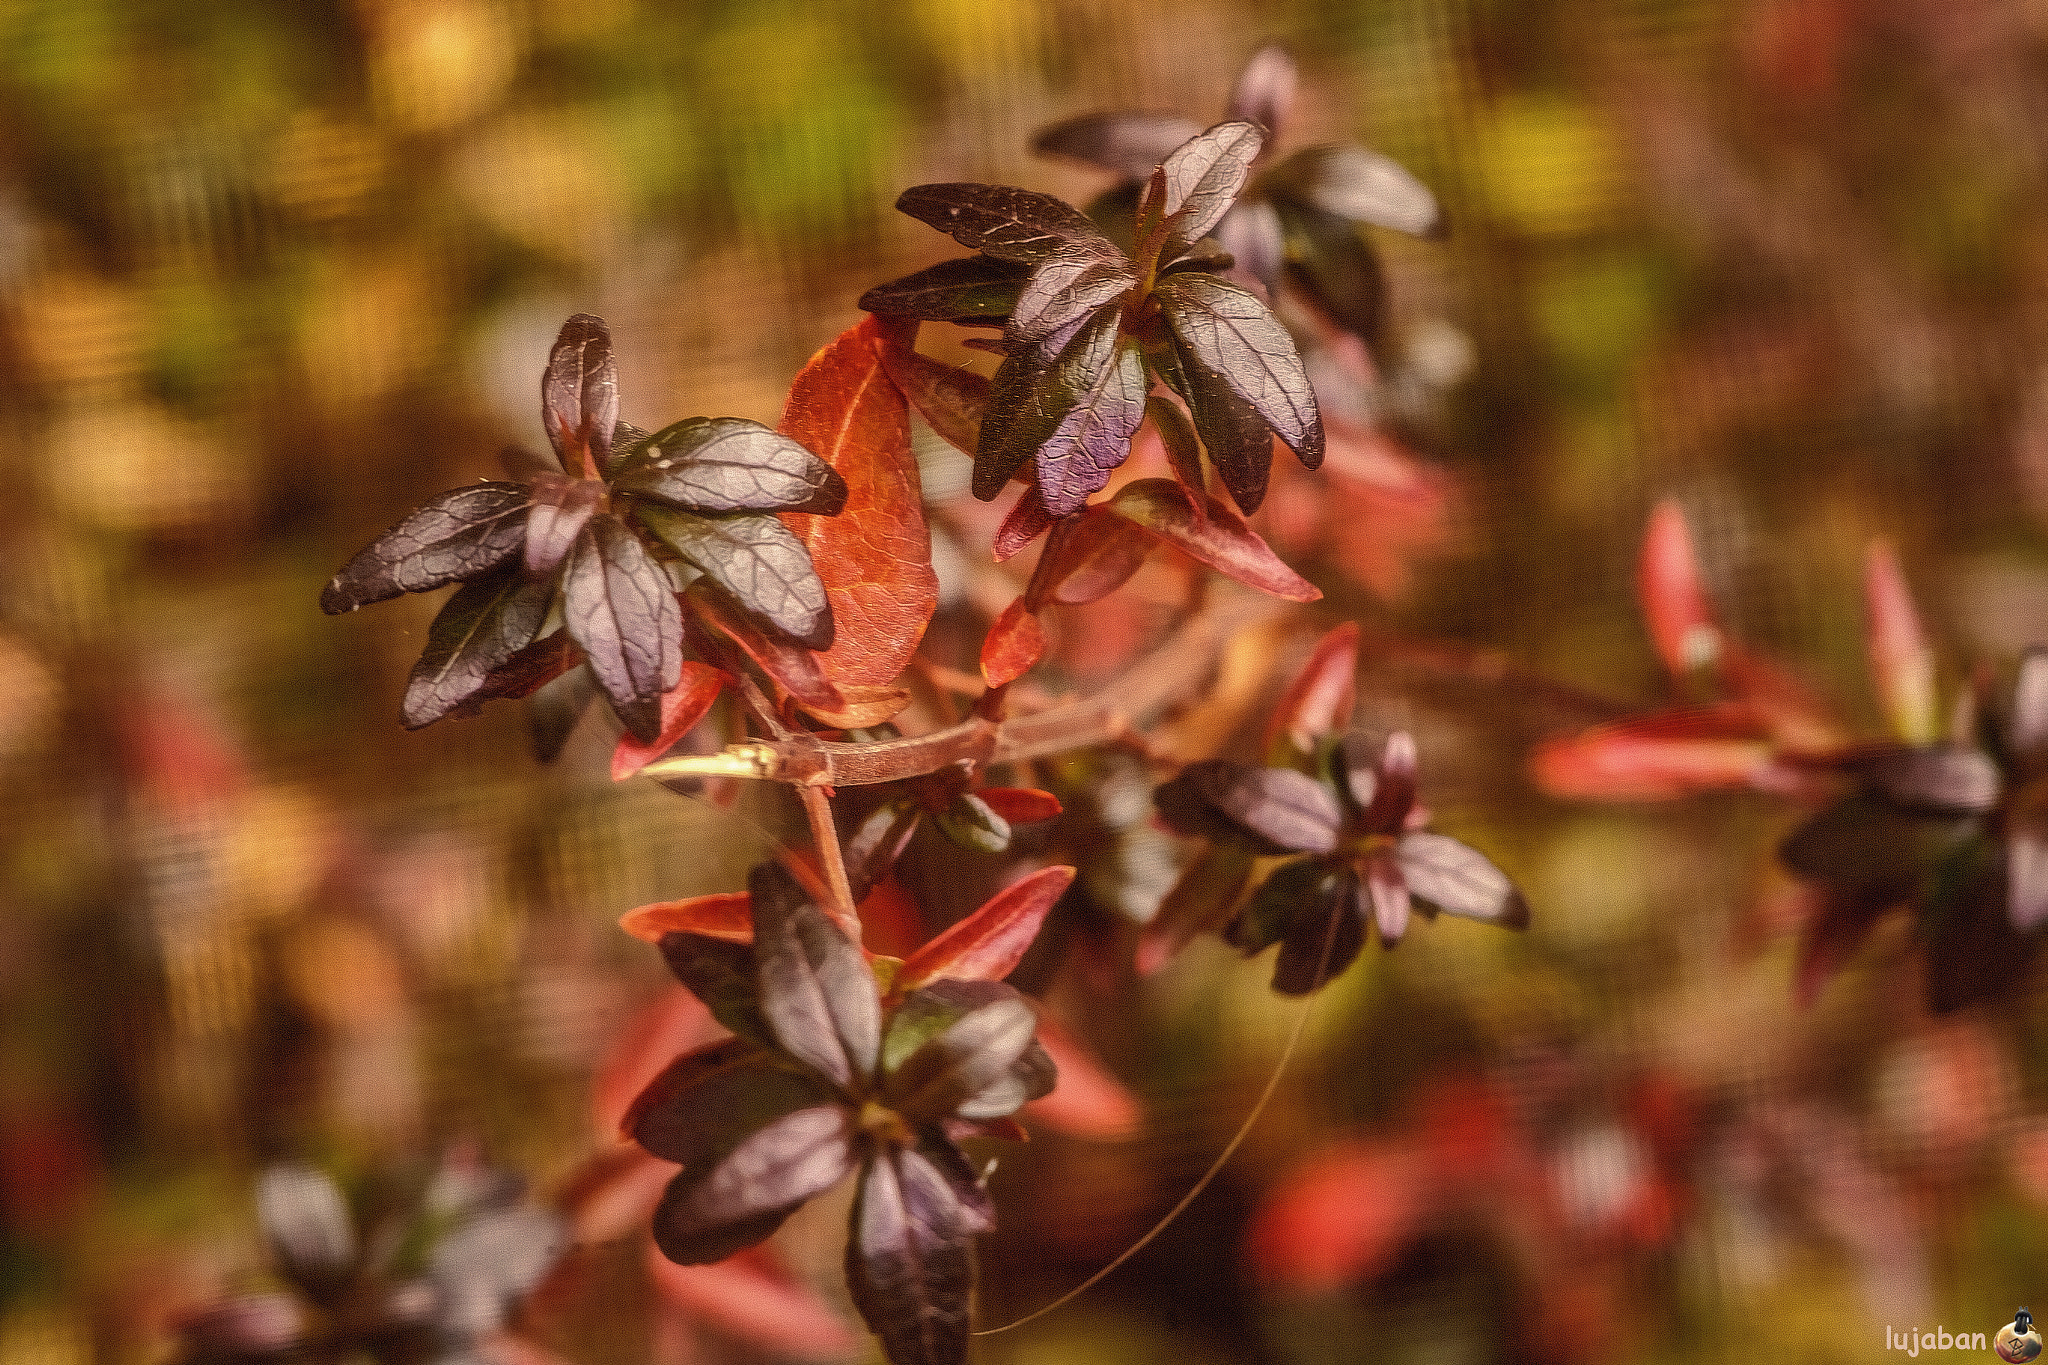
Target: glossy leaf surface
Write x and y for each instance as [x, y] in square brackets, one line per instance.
[580, 396]
[1217, 536]
[481, 627]
[968, 290]
[988, 944]
[728, 464]
[910, 1260]
[1226, 330]
[1001, 221]
[760, 564]
[618, 604]
[816, 990]
[455, 536]
[1203, 179]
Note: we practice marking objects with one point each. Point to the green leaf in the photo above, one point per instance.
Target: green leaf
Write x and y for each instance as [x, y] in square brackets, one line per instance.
[714, 465]
[759, 563]
[484, 624]
[452, 537]
[972, 1036]
[969, 823]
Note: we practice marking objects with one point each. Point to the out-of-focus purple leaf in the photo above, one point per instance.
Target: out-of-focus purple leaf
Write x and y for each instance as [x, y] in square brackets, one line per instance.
[562, 507]
[302, 1213]
[761, 565]
[248, 1325]
[1328, 915]
[1252, 234]
[1224, 329]
[619, 605]
[970, 290]
[1363, 186]
[559, 703]
[1869, 846]
[2027, 726]
[1203, 179]
[455, 536]
[1383, 895]
[728, 464]
[1000, 220]
[1973, 951]
[488, 1262]
[1208, 890]
[579, 396]
[2026, 860]
[1288, 810]
[816, 989]
[720, 973]
[712, 1210]
[483, 625]
[1332, 263]
[1089, 556]
[1303, 886]
[1265, 89]
[1128, 144]
[910, 1261]
[1459, 880]
[1383, 787]
[1948, 779]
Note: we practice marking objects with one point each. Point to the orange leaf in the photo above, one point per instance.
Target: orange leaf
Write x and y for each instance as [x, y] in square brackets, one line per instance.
[749, 1297]
[875, 557]
[682, 706]
[800, 671]
[1901, 664]
[1026, 521]
[1014, 643]
[1318, 702]
[1089, 556]
[1675, 606]
[1652, 758]
[725, 914]
[988, 944]
[1087, 1101]
[1214, 534]
[1021, 805]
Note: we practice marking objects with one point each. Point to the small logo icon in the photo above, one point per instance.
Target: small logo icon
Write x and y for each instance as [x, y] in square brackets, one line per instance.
[2018, 1340]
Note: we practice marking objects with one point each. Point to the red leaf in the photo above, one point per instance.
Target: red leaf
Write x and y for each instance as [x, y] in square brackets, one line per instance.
[1027, 521]
[1654, 758]
[874, 558]
[1214, 534]
[749, 1297]
[1675, 605]
[1021, 805]
[950, 398]
[1785, 708]
[1340, 1217]
[1901, 664]
[1319, 700]
[682, 706]
[988, 944]
[614, 1195]
[675, 1022]
[1087, 1101]
[1088, 557]
[1014, 643]
[725, 914]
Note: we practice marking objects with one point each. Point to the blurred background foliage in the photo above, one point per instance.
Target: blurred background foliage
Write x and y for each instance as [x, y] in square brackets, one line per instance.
[270, 274]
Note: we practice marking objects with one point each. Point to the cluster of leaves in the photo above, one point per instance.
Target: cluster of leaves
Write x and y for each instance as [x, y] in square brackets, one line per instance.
[839, 1067]
[428, 1284]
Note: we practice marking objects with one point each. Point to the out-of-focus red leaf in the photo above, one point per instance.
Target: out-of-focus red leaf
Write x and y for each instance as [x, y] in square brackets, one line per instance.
[1014, 643]
[725, 914]
[988, 944]
[1089, 556]
[1901, 664]
[949, 398]
[614, 1195]
[1027, 521]
[1214, 534]
[874, 558]
[1087, 1102]
[748, 1296]
[889, 920]
[1790, 712]
[1374, 509]
[682, 706]
[1339, 1217]
[47, 1167]
[1021, 805]
[1675, 606]
[1657, 758]
[1319, 700]
[675, 1022]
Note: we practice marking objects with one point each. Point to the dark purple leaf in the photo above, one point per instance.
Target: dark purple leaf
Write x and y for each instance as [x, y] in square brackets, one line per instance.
[1384, 788]
[700, 1108]
[1026, 522]
[1332, 263]
[1265, 89]
[1238, 439]
[307, 1222]
[1065, 288]
[1088, 557]
[1459, 880]
[1382, 896]
[1831, 935]
[910, 1258]
[970, 1037]
[1207, 254]
[1128, 144]
[1033, 401]
[579, 396]
[1287, 810]
[1363, 186]
[876, 842]
[1203, 179]
[969, 290]
[721, 974]
[2027, 738]
[1945, 779]
[626, 440]
[620, 606]
[1323, 938]
[816, 989]
[712, 1210]
[486, 622]
[2026, 860]
[1869, 846]
[1305, 886]
[1000, 220]
[1105, 385]
[1185, 807]
[728, 464]
[760, 564]
[1973, 951]
[562, 507]
[455, 536]
[1223, 329]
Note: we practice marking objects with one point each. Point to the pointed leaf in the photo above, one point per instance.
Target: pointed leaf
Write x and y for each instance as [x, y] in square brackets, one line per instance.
[1364, 186]
[1066, 287]
[1216, 535]
[1129, 144]
[1653, 758]
[999, 220]
[970, 1037]
[1459, 880]
[1329, 260]
[619, 605]
[1319, 700]
[485, 623]
[705, 1102]
[1226, 330]
[1286, 811]
[969, 290]
[1265, 89]
[1089, 556]
[711, 1211]
[580, 396]
[562, 507]
[682, 706]
[1946, 779]
[728, 464]
[1027, 521]
[988, 944]
[1203, 899]
[1675, 605]
[458, 535]
[720, 972]
[1107, 386]
[910, 1260]
[1013, 644]
[1901, 663]
[1238, 439]
[816, 990]
[1020, 805]
[874, 558]
[970, 823]
[1203, 179]
[949, 398]
[1323, 938]
[727, 915]
[760, 563]
[1177, 434]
